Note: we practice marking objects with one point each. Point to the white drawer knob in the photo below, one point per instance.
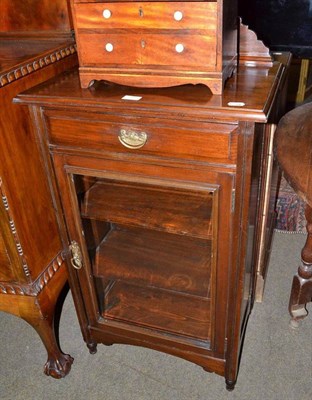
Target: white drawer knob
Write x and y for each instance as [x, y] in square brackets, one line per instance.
[178, 15]
[109, 47]
[107, 13]
[179, 48]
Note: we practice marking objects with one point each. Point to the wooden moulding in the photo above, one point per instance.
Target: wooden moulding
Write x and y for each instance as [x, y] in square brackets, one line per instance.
[252, 51]
[32, 65]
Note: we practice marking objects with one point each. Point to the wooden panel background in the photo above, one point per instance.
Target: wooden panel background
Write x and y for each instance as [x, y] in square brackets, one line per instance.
[34, 15]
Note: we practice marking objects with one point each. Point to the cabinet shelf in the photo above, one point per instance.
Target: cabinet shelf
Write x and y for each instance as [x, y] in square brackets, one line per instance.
[155, 259]
[175, 210]
[158, 309]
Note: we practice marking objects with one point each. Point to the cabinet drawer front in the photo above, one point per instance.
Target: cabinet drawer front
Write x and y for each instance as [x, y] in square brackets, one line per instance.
[147, 15]
[186, 140]
[149, 49]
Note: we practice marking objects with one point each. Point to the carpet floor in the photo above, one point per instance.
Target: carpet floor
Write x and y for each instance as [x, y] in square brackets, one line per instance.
[276, 362]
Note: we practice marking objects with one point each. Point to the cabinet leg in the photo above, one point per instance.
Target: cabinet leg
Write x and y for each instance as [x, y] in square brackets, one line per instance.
[301, 291]
[230, 385]
[45, 319]
[58, 364]
[92, 346]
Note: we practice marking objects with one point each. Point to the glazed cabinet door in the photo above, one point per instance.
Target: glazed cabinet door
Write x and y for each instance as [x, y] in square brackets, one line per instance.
[144, 252]
[150, 250]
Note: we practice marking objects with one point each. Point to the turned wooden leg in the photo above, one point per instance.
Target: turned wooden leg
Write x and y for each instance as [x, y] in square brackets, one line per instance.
[301, 291]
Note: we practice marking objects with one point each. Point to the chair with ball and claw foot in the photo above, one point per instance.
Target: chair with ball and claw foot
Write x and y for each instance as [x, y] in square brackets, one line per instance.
[293, 146]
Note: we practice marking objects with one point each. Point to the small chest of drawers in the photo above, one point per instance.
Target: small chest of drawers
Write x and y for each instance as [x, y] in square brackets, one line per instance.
[156, 44]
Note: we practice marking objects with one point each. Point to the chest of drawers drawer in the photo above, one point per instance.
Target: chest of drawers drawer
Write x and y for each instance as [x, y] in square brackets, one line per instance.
[149, 49]
[147, 15]
[156, 44]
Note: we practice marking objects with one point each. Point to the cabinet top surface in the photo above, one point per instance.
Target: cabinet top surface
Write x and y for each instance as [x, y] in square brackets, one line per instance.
[18, 52]
[248, 95]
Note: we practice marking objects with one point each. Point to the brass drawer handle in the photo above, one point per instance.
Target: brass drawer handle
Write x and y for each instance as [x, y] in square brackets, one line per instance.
[131, 139]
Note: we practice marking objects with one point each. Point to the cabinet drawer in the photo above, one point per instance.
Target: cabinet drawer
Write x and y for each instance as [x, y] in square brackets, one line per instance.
[184, 140]
[147, 15]
[185, 50]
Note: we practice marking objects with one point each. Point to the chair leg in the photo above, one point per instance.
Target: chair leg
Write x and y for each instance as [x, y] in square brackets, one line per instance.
[301, 291]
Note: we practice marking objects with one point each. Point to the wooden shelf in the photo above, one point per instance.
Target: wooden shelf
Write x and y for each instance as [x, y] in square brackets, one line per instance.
[158, 309]
[169, 209]
[152, 258]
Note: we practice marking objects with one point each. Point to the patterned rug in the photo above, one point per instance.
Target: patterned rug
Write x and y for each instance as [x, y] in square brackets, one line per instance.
[290, 210]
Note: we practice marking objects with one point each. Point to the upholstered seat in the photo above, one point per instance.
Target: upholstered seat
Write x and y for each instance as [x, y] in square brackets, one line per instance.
[293, 148]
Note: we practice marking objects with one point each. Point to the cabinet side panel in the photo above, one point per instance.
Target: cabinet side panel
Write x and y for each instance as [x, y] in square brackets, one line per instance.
[34, 15]
[9, 258]
[23, 175]
[6, 273]
[229, 39]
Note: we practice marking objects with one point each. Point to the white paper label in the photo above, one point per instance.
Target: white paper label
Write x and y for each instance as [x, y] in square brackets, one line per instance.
[131, 98]
[236, 104]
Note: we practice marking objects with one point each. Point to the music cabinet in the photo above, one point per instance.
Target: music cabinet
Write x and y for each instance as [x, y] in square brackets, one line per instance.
[162, 192]
[156, 44]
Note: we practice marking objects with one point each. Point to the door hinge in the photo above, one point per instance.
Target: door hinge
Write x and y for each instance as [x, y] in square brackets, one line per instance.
[233, 200]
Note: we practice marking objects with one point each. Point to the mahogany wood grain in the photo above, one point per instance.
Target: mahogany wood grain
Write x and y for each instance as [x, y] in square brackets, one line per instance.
[151, 258]
[158, 309]
[249, 86]
[202, 17]
[216, 142]
[184, 212]
[34, 15]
